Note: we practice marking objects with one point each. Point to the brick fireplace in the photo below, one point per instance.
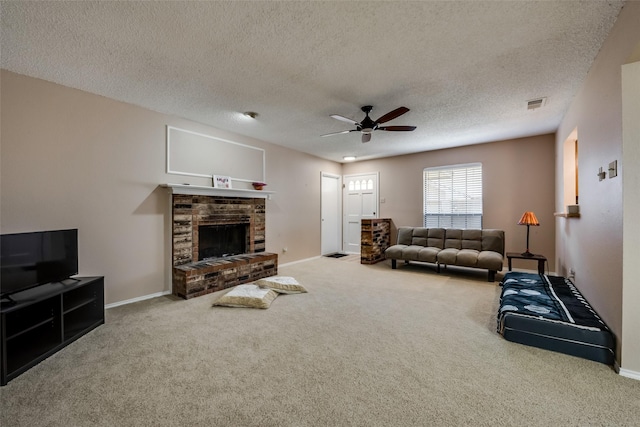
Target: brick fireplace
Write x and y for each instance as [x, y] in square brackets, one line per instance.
[194, 277]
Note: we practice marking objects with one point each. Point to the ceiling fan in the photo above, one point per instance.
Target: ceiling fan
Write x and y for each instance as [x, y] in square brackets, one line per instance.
[367, 126]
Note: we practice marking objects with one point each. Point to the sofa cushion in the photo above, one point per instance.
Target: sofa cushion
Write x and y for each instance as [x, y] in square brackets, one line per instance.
[467, 257]
[490, 260]
[429, 254]
[410, 253]
[472, 239]
[419, 237]
[493, 240]
[404, 235]
[447, 256]
[394, 252]
[435, 238]
[453, 238]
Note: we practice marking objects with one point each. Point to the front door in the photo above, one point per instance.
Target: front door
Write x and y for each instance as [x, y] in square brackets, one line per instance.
[360, 202]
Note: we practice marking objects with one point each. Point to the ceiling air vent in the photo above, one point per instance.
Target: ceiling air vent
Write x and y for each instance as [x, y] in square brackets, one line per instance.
[532, 104]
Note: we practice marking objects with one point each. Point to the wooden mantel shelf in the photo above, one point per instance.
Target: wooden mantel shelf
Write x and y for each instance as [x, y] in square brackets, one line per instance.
[200, 190]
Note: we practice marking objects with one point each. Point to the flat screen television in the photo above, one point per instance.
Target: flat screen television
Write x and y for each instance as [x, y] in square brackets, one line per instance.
[32, 259]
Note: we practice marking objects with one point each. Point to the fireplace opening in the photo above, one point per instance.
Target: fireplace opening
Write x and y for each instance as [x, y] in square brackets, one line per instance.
[217, 241]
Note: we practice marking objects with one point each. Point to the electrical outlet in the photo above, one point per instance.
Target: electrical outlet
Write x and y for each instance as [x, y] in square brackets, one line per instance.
[572, 273]
[285, 249]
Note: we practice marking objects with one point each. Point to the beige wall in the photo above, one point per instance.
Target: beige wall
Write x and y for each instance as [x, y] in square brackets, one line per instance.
[631, 227]
[592, 244]
[71, 159]
[74, 159]
[518, 175]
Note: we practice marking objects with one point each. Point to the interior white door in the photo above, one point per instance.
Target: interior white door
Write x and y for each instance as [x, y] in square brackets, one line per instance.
[330, 206]
[360, 202]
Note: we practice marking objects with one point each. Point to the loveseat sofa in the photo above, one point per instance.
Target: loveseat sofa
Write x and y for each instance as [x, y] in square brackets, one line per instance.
[464, 248]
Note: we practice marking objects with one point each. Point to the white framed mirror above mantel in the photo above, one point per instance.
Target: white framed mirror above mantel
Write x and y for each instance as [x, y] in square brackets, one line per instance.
[204, 156]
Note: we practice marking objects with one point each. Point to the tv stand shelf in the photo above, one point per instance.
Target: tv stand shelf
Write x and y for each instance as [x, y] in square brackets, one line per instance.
[47, 318]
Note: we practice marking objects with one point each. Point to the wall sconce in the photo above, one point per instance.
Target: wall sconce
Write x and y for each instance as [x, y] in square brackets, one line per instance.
[601, 174]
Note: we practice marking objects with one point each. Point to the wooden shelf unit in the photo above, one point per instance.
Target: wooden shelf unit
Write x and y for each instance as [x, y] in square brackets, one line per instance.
[47, 318]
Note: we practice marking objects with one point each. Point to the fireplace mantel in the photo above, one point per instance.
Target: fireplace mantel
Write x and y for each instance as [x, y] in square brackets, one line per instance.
[200, 190]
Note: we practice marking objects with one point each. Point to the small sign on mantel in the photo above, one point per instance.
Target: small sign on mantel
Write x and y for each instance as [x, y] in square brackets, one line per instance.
[221, 181]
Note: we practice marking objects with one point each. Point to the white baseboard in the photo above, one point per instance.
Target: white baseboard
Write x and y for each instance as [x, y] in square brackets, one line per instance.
[629, 374]
[159, 294]
[132, 300]
[299, 261]
[524, 270]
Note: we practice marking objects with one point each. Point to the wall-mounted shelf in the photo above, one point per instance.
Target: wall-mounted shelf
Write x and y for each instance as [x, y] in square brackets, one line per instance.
[200, 190]
[566, 215]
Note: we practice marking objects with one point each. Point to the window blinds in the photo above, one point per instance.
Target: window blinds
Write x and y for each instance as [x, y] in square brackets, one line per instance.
[453, 196]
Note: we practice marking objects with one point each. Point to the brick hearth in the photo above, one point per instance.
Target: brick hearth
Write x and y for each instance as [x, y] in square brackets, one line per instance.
[193, 277]
[200, 278]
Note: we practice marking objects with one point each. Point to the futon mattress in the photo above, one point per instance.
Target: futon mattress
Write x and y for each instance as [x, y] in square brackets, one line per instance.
[549, 312]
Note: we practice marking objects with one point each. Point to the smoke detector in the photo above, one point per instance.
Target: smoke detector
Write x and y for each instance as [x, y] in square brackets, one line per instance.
[533, 104]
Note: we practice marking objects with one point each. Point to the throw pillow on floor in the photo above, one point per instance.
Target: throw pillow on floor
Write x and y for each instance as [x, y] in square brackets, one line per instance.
[282, 284]
[249, 295]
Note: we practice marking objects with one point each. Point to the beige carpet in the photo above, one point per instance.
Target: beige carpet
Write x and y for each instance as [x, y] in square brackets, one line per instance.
[367, 346]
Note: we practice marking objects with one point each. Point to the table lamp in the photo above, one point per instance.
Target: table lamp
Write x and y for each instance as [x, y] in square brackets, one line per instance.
[528, 218]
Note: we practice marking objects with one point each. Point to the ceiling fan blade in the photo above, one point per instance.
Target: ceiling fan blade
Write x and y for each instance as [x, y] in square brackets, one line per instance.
[392, 114]
[339, 133]
[344, 119]
[366, 137]
[397, 128]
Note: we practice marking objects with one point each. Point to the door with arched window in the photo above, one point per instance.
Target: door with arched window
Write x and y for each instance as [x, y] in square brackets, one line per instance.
[360, 202]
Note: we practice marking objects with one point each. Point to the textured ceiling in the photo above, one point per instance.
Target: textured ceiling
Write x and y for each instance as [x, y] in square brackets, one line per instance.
[465, 69]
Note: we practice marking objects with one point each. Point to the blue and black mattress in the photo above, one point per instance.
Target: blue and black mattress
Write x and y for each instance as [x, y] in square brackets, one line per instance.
[549, 312]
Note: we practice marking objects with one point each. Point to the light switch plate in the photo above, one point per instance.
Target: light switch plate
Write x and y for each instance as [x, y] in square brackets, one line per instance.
[613, 169]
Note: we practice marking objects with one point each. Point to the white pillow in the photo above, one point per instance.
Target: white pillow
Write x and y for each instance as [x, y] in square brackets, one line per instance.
[249, 295]
[282, 284]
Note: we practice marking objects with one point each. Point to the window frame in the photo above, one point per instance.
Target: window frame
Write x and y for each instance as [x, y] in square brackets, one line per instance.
[465, 212]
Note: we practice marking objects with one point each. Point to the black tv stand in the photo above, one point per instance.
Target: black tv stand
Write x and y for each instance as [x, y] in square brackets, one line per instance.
[43, 320]
[76, 280]
[10, 301]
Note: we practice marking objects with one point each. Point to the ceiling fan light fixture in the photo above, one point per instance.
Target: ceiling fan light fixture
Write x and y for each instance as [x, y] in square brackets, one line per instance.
[367, 126]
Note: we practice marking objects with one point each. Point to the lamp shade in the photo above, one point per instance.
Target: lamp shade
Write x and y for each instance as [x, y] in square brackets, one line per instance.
[528, 218]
